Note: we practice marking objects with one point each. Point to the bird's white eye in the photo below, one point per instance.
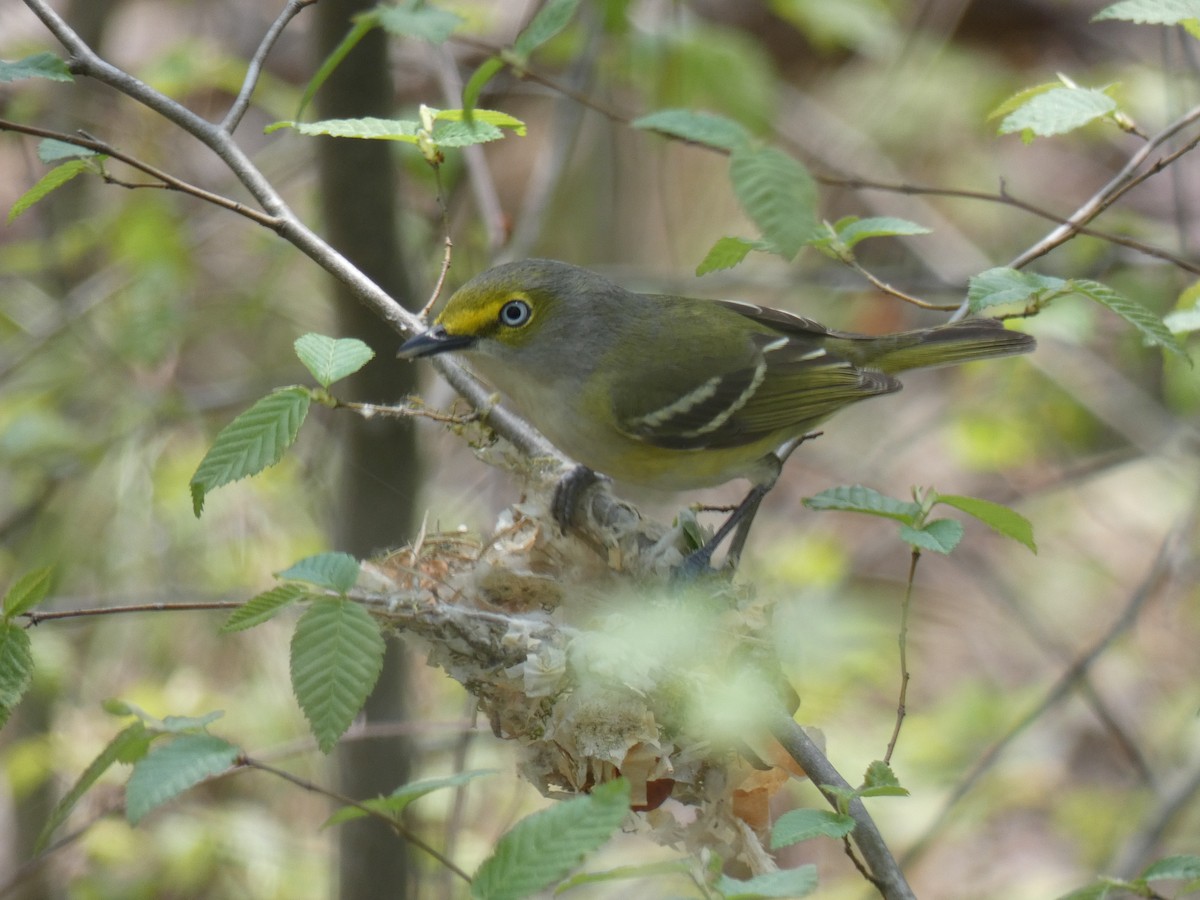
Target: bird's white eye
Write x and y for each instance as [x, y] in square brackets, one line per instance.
[515, 313]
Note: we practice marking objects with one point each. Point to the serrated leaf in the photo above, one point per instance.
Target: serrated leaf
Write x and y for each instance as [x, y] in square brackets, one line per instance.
[263, 607]
[940, 535]
[1007, 522]
[28, 591]
[51, 181]
[331, 359]
[798, 882]
[52, 151]
[39, 65]
[1003, 286]
[250, 443]
[1059, 110]
[334, 571]
[1021, 97]
[1151, 12]
[417, 20]
[368, 127]
[851, 232]
[129, 745]
[171, 769]
[363, 23]
[336, 656]
[856, 498]
[465, 134]
[705, 128]
[544, 847]
[804, 824]
[552, 18]
[777, 194]
[16, 667]
[726, 253]
[398, 800]
[1183, 867]
[880, 774]
[1152, 327]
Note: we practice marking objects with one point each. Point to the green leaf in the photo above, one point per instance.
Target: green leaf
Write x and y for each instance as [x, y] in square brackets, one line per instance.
[52, 151]
[704, 128]
[28, 591]
[880, 774]
[940, 535]
[798, 882]
[363, 23]
[851, 230]
[398, 800]
[128, 746]
[16, 667]
[250, 443]
[337, 652]
[478, 81]
[804, 824]
[1152, 327]
[1003, 286]
[1151, 12]
[727, 252]
[552, 18]
[171, 769]
[331, 359]
[51, 181]
[544, 847]
[1006, 521]
[856, 498]
[1021, 97]
[367, 127]
[264, 607]
[333, 571]
[1184, 868]
[880, 781]
[778, 194]
[450, 128]
[40, 65]
[1057, 111]
[416, 20]
[490, 116]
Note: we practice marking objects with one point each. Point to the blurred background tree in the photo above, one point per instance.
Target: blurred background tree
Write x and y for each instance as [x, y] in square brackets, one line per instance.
[1051, 731]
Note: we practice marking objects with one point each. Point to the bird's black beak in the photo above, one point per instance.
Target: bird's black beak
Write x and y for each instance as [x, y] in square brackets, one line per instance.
[430, 343]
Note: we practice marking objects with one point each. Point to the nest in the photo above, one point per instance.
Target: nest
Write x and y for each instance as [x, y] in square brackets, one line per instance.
[584, 652]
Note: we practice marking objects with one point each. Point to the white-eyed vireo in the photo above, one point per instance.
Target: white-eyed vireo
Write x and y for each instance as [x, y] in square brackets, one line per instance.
[673, 392]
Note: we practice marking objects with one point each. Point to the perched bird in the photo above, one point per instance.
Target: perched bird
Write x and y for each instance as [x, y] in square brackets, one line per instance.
[673, 392]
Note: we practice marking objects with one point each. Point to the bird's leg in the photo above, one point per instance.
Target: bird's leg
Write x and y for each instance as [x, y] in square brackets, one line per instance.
[568, 492]
[699, 561]
[741, 518]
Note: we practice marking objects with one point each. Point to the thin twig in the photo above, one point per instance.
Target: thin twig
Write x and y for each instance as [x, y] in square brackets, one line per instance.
[884, 872]
[1123, 181]
[169, 182]
[894, 292]
[449, 244]
[1007, 199]
[37, 617]
[368, 410]
[902, 641]
[398, 827]
[254, 70]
